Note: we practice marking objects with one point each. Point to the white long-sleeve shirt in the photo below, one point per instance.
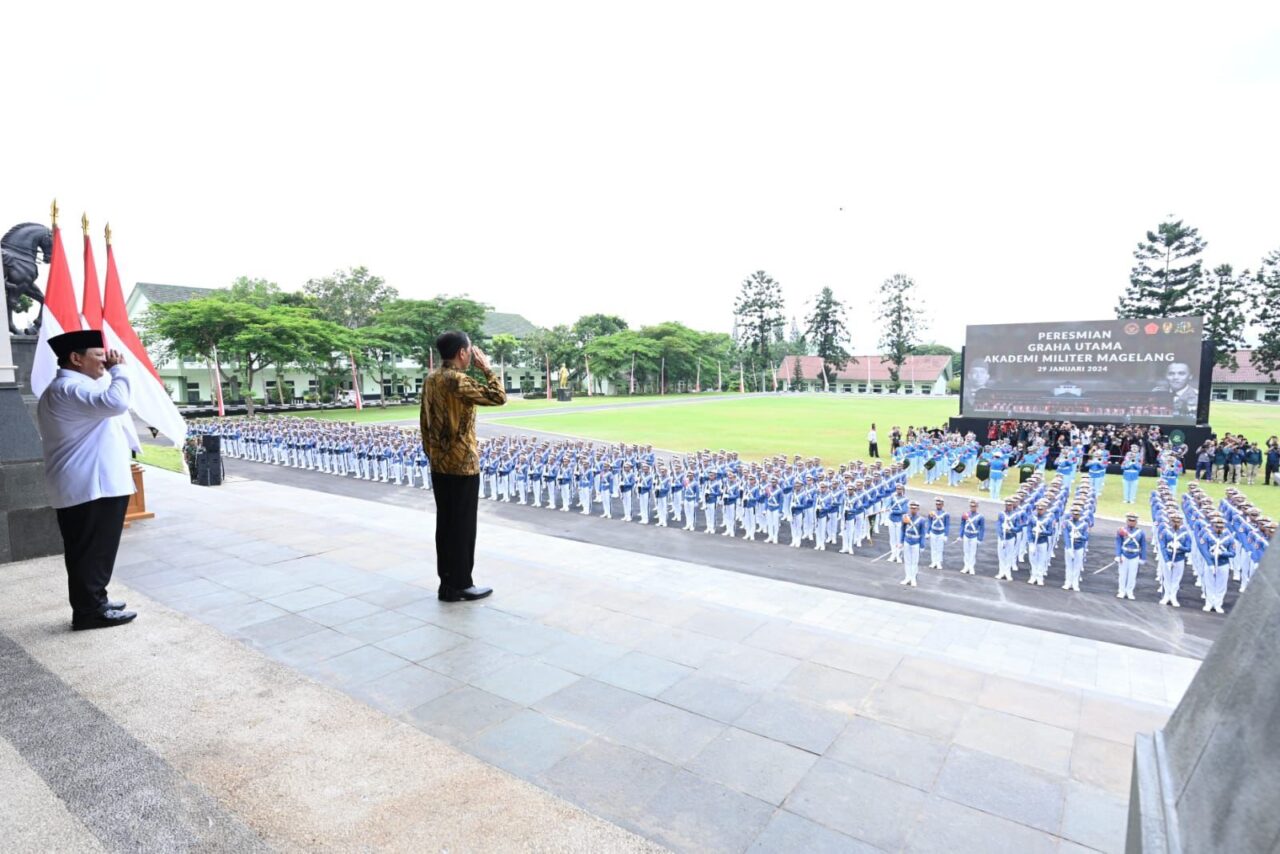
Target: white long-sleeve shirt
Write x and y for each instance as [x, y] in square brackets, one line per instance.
[86, 454]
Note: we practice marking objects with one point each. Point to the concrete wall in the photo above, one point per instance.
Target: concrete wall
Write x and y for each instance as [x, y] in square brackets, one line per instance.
[1210, 780]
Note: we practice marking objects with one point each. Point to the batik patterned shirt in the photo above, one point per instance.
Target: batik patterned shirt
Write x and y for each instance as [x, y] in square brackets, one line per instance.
[448, 418]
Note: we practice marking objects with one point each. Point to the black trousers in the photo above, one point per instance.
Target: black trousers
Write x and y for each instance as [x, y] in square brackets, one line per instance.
[456, 498]
[90, 538]
[873, 450]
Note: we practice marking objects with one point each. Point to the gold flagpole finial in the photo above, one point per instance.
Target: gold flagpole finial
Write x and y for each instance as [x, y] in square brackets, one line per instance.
[107, 233]
[84, 224]
[53, 212]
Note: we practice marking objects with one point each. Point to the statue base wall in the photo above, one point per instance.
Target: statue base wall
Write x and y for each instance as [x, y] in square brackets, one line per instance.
[28, 525]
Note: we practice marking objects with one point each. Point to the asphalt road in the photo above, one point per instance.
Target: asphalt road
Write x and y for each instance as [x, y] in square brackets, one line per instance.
[1093, 613]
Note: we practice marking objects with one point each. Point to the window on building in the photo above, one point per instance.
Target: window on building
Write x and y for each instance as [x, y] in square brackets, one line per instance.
[1219, 394]
[862, 388]
[848, 387]
[1271, 395]
[926, 389]
[877, 388]
[908, 389]
[1244, 394]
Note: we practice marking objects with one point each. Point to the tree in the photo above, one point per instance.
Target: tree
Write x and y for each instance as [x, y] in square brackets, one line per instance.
[502, 348]
[351, 297]
[1163, 281]
[422, 321]
[796, 343]
[612, 356]
[591, 326]
[257, 292]
[901, 323]
[797, 374]
[1223, 300]
[1266, 356]
[939, 350]
[829, 333]
[758, 310]
[197, 328]
[380, 344]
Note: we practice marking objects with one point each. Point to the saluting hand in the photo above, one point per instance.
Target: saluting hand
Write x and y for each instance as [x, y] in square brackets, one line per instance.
[479, 359]
[114, 357]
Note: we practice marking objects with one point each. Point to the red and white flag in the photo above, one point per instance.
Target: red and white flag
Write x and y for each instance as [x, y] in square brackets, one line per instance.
[697, 382]
[633, 373]
[150, 400]
[217, 384]
[91, 302]
[60, 315]
[588, 361]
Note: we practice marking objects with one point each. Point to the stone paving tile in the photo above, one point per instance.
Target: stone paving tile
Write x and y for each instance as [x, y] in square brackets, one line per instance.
[401, 690]
[470, 660]
[1118, 721]
[865, 806]
[422, 642]
[153, 581]
[727, 625]
[825, 686]
[1102, 763]
[525, 682]
[945, 679]
[946, 827]
[682, 646]
[610, 780]
[862, 659]
[1003, 788]
[592, 705]
[693, 814]
[461, 714]
[750, 665]
[350, 668]
[210, 601]
[752, 764]
[260, 582]
[671, 734]
[786, 639]
[583, 656]
[712, 696]
[397, 596]
[642, 673]
[312, 647]
[527, 744]
[379, 626]
[279, 630]
[1034, 702]
[359, 583]
[889, 751]
[231, 618]
[341, 611]
[170, 594]
[1095, 818]
[306, 599]
[914, 710]
[793, 722]
[1018, 739]
[788, 833]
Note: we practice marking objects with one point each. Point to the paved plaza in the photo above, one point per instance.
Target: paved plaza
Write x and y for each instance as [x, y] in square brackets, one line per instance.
[293, 683]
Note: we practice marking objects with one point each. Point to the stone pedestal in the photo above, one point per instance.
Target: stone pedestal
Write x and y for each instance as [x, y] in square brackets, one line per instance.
[28, 525]
[564, 395]
[1210, 780]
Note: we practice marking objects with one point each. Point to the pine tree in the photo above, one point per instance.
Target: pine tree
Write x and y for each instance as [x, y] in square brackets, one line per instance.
[900, 324]
[1163, 281]
[758, 313]
[1223, 300]
[829, 333]
[797, 373]
[1266, 303]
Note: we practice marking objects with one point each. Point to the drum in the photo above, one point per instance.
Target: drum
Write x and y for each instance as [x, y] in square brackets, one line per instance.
[984, 470]
[1025, 472]
[958, 468]
[930, 464]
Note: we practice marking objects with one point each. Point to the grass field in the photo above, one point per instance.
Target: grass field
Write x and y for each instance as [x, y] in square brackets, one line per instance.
[835, 428]
[161, 457]
[373, 414]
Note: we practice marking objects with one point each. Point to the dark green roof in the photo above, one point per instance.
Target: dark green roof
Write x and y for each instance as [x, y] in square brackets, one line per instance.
[501, 323]
[171, 293]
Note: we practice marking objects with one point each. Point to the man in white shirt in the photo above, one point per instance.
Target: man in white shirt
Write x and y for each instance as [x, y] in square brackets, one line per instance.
[86, 457]
[873, 447]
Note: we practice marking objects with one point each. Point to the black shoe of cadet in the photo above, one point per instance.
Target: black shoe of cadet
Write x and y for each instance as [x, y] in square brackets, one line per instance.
[104, 620]
[466, 595]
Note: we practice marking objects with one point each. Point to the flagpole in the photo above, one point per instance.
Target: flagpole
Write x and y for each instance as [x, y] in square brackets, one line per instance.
[697, 382]
[633, 373]
[355, 381]
[662, 377]
[217, 380]
[587, 359]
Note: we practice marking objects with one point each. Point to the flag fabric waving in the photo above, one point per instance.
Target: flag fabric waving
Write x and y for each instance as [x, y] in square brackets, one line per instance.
[60, 315]
[151, 401]
[91, 302]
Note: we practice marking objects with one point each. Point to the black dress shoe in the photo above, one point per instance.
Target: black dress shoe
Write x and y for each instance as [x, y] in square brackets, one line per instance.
[113, 605]
[467, 595]
[105, 620]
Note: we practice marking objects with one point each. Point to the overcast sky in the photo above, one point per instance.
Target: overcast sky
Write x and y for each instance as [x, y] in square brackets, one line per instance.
[641, 159]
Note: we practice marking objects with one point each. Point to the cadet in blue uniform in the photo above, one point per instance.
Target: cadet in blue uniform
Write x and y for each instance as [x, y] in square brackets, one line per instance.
[1039, 537]
[939, 530]
[898, 508]
[1131, 551]
[1075, 539]
[913, 534]
[1175, 544]
[1130, 471]
[973, 530]
[1218, 547]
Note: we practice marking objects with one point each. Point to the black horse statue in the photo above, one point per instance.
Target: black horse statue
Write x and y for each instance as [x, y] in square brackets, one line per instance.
[19, 248]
